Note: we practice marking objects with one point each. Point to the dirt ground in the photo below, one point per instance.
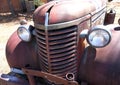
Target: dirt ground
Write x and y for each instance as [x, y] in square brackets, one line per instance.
[8, 24]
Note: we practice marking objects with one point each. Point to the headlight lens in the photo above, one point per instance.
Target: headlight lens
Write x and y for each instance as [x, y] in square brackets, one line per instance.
[99, 37]
[24, 33]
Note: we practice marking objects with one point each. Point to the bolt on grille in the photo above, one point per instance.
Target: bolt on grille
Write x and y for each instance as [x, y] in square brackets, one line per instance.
[57, 50]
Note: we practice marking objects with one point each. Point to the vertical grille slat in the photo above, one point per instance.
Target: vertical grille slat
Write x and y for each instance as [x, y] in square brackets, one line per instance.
[57, 50]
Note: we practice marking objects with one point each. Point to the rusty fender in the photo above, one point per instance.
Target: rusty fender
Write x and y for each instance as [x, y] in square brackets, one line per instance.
[102, 66]
[21, 54]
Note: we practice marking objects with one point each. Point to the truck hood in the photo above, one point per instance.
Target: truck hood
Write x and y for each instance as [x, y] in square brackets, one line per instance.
[66, 10]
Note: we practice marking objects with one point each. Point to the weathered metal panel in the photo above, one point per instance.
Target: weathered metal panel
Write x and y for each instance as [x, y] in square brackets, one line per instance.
[102, 66]
[21, 54]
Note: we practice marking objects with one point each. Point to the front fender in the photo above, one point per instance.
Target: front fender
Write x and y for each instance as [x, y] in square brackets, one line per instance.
[102, 66]
[21, 54]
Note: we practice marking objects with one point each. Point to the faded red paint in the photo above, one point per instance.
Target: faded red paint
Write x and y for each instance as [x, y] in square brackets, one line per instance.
[21, 54]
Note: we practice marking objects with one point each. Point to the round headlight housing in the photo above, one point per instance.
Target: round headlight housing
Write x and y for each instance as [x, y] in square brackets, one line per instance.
[99, 37]
[24, 33]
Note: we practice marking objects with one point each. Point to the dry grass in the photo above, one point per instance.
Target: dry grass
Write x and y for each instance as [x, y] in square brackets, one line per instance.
[9, 24]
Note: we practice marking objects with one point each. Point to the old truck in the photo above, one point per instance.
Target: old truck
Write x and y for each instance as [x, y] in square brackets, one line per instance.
[72, 42]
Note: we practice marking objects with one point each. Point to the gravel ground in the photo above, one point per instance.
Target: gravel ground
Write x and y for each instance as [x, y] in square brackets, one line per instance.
[9, 24]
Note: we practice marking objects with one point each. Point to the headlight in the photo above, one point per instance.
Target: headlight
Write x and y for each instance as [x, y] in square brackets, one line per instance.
[24, 33]
[99, 37]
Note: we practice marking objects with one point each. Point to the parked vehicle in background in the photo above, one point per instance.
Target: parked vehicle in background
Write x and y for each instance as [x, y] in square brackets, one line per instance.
[72, 42]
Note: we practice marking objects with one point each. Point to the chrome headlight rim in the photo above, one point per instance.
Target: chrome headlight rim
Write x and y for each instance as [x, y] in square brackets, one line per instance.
[25, 28]
[99, 29]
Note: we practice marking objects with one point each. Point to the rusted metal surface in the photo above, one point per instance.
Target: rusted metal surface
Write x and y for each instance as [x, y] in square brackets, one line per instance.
[102, 66]
[57, 51]
[20, 54]
[63, 11]
[52, 78]
[57, 45]
[31, 80]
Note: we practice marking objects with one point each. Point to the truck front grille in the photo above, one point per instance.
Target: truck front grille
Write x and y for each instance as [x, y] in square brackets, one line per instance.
[57, 50]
